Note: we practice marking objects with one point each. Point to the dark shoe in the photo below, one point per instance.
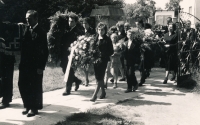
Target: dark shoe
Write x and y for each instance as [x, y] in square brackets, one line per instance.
[77, 87]
[102, 96]
[128, 90]
[112, 80]
[142, 82]
[173, 78]
[66, 93]
[165, 81]
[32, 113]
[25, 111]
[135, 87]
[147, 74]
[105, 86]
[78, 82]
[122, 79]
[93, 99]
[86, 82]
[115, 86]
[4, 105]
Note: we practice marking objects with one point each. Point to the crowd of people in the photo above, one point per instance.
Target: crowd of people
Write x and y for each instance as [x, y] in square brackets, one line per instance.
[124, 49]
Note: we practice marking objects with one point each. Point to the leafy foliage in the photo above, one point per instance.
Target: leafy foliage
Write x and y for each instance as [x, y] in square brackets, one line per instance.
[58, 25]
[158, 8]
[15, 10]
[142, 8]
[172, 4]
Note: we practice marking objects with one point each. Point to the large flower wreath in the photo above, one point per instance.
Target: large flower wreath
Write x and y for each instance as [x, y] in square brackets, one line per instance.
[58, 25]
[85, 52]
[149, 39]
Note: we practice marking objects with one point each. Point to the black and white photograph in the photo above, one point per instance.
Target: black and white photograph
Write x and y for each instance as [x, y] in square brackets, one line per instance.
[99, 62]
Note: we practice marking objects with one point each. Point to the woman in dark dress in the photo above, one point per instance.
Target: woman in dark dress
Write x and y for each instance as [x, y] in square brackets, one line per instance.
[171, 40]
[104, 44]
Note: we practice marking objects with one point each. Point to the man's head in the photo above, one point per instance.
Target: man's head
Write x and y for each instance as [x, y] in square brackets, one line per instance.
[169, 20]
[139, 23]
[131, 33]
[197, 25]
[73, 19]
[85, 22]
[120, 26]
[188, 24]
[127, 27]
[32, 17]
[171, 27]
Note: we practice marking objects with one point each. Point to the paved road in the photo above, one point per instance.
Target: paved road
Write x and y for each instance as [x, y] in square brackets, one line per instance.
[57, 107]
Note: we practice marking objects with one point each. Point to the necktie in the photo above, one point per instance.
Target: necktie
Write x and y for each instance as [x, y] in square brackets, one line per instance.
[30, 29]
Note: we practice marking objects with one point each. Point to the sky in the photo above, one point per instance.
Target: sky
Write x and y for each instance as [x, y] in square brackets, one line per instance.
[159, 3]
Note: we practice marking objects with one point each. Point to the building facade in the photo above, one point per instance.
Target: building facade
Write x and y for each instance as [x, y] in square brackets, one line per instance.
[189, 8]
[162, 15]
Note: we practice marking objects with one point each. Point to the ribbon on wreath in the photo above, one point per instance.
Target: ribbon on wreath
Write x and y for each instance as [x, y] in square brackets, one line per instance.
[69, 64]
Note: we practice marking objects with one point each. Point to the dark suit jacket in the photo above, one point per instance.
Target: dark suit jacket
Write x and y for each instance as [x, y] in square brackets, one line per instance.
[90, 32]
[132, 54]
[69, 37]
[188, 35]
[34, 49]
[122, 35]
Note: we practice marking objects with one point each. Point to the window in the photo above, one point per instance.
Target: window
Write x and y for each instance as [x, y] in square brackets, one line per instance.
[190, 10]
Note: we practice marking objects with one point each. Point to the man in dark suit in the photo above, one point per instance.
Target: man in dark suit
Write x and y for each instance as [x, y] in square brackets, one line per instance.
[132, 57]
[34, 55]
[75, 29]
[7, 60]
[2, 48]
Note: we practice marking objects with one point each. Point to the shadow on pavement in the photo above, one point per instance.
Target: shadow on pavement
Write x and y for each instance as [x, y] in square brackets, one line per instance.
[133, 102]
[163, 93]
[46, 116]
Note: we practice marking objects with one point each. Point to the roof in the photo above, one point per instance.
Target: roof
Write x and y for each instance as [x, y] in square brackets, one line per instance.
[164, 10]
[107, 11]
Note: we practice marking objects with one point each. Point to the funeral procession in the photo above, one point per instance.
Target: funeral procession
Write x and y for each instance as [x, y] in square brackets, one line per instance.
[99, 62]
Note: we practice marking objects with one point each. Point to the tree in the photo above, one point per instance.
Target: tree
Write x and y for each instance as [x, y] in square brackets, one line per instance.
[129, 9]
[159, 8]
[142, 8]
[15, 10]
[172, 4]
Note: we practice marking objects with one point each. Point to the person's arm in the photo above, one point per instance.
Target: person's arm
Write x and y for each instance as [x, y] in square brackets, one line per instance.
[42, 52]
[110, 50]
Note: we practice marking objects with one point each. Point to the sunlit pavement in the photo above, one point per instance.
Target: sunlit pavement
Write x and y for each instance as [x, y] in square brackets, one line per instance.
[57, 107]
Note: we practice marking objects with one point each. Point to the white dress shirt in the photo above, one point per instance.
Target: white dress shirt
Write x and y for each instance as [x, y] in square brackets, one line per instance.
[129, 44]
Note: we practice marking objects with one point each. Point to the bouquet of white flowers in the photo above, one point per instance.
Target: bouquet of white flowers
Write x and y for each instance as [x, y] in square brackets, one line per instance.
[149, 39]
[85, 52]
[149, 36]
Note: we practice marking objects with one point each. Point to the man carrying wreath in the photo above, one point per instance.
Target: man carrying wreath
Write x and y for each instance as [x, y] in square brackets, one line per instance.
[69, 37]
